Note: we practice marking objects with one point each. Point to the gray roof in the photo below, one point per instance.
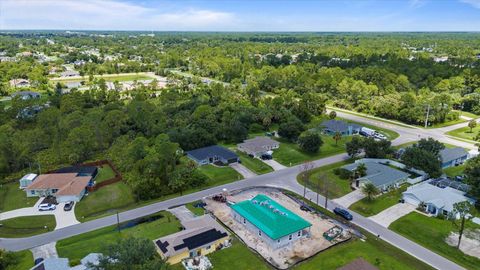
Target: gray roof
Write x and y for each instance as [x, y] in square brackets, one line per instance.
[26, 94]
[379, 174]
[258, 144]
[338, 126]
[52, 264]
[449, 154]
[212, 151]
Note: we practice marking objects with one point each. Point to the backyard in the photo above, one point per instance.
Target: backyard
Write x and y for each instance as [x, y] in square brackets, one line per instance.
[454, 170]
[12, 197]
[77, 247]
[105, 172]
[366, 207]
[27, 226]
[431, 233]
[254, 164]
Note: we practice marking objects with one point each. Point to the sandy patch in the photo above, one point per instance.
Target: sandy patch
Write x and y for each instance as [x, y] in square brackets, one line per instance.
[470, 244]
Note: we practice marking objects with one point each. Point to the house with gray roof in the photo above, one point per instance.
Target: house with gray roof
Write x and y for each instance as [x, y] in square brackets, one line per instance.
[437, 199]
[212, 154]
[453, 156]
[258, 146]
[25, 95]
[333, 126]
[381, 175]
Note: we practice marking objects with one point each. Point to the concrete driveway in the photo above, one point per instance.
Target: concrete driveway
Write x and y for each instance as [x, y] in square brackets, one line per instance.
[389, 215]
[182, 213]
[244, 171]
[45, 251]
[274, 164]
[350, 198]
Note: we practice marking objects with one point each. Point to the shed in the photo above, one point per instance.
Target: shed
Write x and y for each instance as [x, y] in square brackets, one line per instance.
[27, 180]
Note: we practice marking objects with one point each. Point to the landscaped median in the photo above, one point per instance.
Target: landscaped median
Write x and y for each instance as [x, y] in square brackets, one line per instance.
[367, 207]
[27, 226]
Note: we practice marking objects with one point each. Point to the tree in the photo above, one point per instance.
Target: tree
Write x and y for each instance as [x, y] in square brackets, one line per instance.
[461, 210]
[310, 141]
[361, 170]
[332, 115]
[305, 169]
[377, 149]
[291, 129]
[472, 173]
[370, 190]
[7, 259]
[354, 147]
[472, 124]
[415, 157]
[337, 137]
[430, 145]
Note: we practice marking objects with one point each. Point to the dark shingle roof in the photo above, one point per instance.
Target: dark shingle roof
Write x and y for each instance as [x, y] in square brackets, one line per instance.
[449, 154]
[78, 169]
[212, 151]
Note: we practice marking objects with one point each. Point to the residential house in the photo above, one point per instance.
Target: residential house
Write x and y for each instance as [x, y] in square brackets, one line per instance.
[438, 199]
[212, 154]
[258, 146]
[69, 73]
[27, 180]
[333, 126]
[25, 95]
[63, 186]
[91, 171]
[202, 236]
[271, 222]
[19, 83]
[453, 156]
[52, 264]
[381, 175]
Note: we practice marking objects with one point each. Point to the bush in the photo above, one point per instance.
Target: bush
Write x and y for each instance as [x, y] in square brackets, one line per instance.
[310, 142]
[342, 173]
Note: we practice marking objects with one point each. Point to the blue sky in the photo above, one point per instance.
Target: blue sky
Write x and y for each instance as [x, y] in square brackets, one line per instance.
[242, 15]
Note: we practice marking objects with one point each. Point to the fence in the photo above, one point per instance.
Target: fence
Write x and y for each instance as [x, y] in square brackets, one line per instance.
[116, 178]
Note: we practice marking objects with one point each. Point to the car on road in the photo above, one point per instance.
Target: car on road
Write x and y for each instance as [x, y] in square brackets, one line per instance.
[343, 213]
[46, 207]
[68, 206]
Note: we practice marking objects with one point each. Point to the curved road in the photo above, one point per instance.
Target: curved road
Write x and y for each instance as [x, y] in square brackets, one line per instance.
[285, 178]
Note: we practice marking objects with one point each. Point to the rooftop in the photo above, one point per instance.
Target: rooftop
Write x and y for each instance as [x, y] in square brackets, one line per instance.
[449, 154]
[212, 151]
[258, 144]
[66, 183]
[272, 218]
[379, 174]
[338, 125]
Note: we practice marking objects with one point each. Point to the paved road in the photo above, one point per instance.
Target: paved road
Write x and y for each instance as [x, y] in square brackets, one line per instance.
[286, 179]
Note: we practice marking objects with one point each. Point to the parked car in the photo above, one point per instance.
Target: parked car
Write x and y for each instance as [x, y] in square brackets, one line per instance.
[68, 206]
[37, 261]
[343, 213]
[266, 157]
[305, 208]
[46, 207]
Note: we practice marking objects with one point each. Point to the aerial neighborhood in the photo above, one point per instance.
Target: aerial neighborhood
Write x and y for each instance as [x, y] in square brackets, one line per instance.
[141, 149]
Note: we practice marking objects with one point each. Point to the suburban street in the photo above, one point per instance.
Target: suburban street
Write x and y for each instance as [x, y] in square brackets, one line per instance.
[284, 178]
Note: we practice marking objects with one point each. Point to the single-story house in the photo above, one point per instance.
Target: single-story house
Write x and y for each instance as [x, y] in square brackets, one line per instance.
[75, 84]
[270, 221]
[453, 156]
[25, 95]
[79, 170]
[258, 146]
[19, 83]
[382, 176]
[202, 236]
[64, 187]
[438, 200]
[212, 154]
[52, 264]
[333, 126]
[27, 180]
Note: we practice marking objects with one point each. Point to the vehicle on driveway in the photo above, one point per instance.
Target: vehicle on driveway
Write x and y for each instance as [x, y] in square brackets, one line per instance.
[266, 157]
[68, 206]
[37, 261]
[343, 213]
[46, 207]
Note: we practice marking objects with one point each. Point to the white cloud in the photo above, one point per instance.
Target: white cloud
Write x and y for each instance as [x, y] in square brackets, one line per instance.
[104, 15]
[474, 3]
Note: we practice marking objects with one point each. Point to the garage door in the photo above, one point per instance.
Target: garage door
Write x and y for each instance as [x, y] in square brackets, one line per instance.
[411, 200]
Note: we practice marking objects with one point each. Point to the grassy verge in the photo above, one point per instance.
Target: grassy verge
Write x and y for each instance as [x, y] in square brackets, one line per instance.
[372, 117]
[366, 207]
[468, 114]
[464, 133]
[220, 175]
[77, 247]
[254, 164]
[431, 233]
[337, 187]
[12, 197]
[198, 211]
[290, 154]
[24, 260]
[449, 123]
[27, 226]
[104, 173]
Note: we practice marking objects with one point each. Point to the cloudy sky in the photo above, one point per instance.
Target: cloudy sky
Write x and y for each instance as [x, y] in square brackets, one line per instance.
[242, 15]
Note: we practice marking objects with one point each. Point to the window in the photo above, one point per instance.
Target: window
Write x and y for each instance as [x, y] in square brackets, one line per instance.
[299, 233]
[32, 192]
[290, 237]
[208, 247]
[278, 241]
[244, 221]
[260, 233]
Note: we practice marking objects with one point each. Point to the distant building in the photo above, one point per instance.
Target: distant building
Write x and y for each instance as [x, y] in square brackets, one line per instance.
[258, 146]
[270, 221]
[334, 126]
[440, 59]
[69, 73]
[382, 176]
[453, 156]
[19, 83]
[212, 154]
[25, 95]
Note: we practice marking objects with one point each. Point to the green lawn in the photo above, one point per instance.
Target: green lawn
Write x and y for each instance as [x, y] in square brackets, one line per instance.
[219, 175]
[107, 77]
[468, 114]
[431, 233]
[465, 133]
[449, 123]
[107, 199]
[366, 207]
[12, 197]
[337, 187]
[27, 226]
[24, 260]
[77, 247]
[254, 164]
[290, 154]
[454, 171]
[198, 211]
[104, 173]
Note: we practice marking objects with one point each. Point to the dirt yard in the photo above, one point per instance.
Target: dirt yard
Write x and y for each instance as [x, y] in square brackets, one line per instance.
[284, 257]
[470, 244]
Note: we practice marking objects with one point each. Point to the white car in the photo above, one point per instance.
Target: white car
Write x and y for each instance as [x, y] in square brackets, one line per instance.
[46, 207]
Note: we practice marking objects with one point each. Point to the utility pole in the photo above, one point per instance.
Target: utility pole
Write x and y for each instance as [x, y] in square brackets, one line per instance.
[118, 223]
[428, 112]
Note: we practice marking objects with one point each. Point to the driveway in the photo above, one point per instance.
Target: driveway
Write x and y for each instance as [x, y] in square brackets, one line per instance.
[350, 198]
[182, 213]
[244, 171]
[389, 215]
[274, 164]
[45, 251]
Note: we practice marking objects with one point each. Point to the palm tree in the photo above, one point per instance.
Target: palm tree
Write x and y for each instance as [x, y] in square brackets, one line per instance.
[361, 170]
[337, 137]
[370, 190]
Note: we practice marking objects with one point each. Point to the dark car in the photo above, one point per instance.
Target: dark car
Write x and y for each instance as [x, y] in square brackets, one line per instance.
[305, 208]
[266, 157]
[343, 213]
[37, 261]
[68, 206]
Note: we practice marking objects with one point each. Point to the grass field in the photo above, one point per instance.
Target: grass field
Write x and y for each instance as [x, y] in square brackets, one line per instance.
[290, 154]
[366, 207]
[24, 260]
[77, 247]
[104, 173]
[198, 211]
[27, 226]
[465, 133]
[454, 171]
[12, 197]
[337, 187]
[431, 233]
[108, 78]
[449, 123]
[254, 164]
[220, 175]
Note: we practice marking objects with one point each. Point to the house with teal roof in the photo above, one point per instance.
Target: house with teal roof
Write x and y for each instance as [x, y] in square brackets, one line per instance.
[270, 221]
